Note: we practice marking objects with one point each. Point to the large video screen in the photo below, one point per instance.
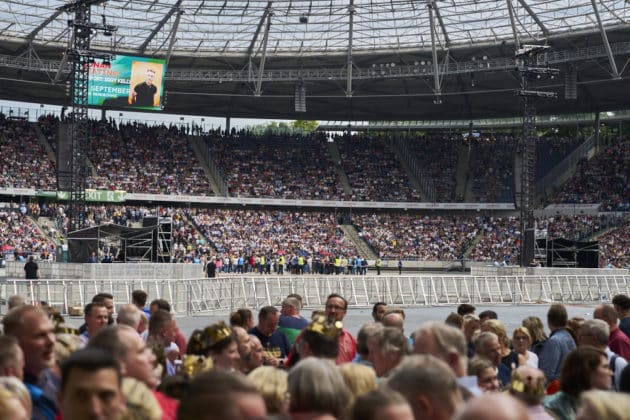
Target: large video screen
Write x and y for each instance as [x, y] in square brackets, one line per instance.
[127, 82]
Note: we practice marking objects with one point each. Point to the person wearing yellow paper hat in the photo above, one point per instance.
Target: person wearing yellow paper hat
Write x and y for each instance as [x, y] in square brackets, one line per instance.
[217, 342]
[319, 339]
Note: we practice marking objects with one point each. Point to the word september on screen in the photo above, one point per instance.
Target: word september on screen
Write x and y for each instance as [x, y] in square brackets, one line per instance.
[127, 82]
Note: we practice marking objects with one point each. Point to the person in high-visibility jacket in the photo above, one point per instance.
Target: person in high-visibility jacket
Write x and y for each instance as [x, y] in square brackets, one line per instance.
[378, 266]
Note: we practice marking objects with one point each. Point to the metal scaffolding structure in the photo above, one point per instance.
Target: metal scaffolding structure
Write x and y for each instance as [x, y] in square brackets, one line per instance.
[80, 57]
[527, 59]
[341, 73]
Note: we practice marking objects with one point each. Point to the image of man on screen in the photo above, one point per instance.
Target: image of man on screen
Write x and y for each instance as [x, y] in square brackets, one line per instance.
[144, 93]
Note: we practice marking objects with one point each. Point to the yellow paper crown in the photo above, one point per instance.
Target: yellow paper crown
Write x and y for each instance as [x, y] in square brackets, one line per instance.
[527, 385]
[321, 325]
[193, 365]
[216, 333]
[58, 322]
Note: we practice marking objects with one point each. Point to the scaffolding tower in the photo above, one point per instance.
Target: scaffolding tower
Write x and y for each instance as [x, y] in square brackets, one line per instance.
[80, 57]
[529, 68]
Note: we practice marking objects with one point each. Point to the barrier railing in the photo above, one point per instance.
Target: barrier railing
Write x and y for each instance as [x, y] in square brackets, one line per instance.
[201, 295]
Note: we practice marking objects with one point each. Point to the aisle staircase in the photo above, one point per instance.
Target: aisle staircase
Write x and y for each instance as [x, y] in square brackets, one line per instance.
[364, 249]
[333, 150]
[200, 149]
[461, 173]
[43, 141]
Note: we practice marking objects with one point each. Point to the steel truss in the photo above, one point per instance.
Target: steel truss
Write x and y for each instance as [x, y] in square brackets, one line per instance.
[80, 57]
[340, 73]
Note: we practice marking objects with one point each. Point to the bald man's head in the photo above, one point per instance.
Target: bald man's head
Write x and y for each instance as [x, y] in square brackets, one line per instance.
[493, 406]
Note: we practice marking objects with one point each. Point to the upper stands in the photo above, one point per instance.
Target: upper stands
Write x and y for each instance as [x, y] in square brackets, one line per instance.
[23, 160]
[374, 172]
[275, 167]
[438, 157]
[603, 179]
[491, 169]
[139, 158]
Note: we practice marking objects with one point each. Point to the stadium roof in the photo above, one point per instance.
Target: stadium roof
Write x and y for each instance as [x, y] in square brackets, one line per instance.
[354, 59]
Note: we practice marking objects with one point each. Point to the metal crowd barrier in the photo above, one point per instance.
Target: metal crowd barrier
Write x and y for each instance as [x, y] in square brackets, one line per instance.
[202, 295]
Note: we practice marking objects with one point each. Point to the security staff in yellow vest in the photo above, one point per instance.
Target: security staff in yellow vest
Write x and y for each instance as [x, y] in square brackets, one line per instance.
[378, 266]
[337, 265]
[300, 262]
[281, 264]
[261, 264]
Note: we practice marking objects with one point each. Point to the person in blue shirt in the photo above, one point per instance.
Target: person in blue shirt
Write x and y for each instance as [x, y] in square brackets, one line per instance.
[274, 342]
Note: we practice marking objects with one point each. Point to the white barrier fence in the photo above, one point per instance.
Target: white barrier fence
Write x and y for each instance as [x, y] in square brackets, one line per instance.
[202, 295]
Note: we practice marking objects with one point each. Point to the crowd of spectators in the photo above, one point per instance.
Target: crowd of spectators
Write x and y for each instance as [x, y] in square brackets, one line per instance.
[614, 247]
[437, 156]
[500, 241]
[49, 124]
[408, 236]
[146, 159]
[276, 167]
[139, 363]
[551, 150]
[491, 169]
[24, 162]
[272, 232]
[373, 170]
[604, 179]
[19, 235]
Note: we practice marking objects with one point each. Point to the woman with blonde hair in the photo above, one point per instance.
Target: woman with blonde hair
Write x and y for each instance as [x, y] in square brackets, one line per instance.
[607, 405]
[521, 341]
[15, 401]
[509, 357]
[360, 379]
[536, 330]
[272, 383]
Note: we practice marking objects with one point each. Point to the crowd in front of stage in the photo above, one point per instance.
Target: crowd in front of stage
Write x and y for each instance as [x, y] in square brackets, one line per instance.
[132, 361]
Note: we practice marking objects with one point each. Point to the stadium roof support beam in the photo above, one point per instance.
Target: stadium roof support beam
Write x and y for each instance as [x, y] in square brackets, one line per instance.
[437, 89]
[351, 11]
[261, 22]
[176, 7]
[611, 58]
[447, 40]
[534, 16]
[513, 24]
[173, 35]
[31, 36]
[261, 69]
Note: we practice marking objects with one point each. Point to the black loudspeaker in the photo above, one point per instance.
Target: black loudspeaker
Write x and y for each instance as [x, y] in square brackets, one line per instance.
[64, 157]
[528, 248]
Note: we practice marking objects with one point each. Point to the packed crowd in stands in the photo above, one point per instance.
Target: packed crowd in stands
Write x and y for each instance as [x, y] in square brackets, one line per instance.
[138, 158]
[604, 179]
[24, 162]
[614, 246]
[227, 234]
[551, 150]
[270, 232]
[437, 156]
[49, 124]
[374, 171]
[402, 236]
[135, 362]
[19, 235]
[274, 167]
[491, 168]
[500, 241]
